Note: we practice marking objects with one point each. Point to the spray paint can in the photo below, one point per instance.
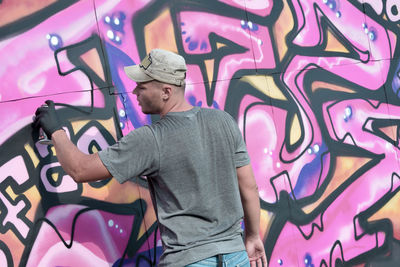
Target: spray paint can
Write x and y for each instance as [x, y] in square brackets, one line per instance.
[43, 138]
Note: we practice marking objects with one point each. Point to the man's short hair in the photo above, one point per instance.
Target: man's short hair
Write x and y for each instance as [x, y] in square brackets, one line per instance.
[160, 65]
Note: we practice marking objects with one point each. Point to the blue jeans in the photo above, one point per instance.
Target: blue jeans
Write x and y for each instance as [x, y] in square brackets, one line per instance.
[235, 259]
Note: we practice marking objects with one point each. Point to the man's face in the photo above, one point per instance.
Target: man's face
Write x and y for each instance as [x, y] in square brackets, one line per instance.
[149, 97]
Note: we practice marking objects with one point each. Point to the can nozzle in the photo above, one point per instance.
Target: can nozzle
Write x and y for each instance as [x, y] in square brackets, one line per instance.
[43, 138]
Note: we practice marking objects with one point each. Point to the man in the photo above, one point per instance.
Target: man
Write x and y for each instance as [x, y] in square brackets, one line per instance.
[196, 164]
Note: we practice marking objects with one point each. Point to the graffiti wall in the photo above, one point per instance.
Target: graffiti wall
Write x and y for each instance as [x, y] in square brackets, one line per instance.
[313, 84]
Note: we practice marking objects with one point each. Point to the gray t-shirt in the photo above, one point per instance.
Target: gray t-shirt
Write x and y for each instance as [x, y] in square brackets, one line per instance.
[190, 160]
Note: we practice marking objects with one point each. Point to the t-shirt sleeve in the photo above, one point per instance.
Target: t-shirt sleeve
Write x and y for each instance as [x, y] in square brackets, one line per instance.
[133, 155]
[241, 157]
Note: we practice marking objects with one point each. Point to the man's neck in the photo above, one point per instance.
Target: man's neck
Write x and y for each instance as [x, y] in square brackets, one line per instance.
[176, 107]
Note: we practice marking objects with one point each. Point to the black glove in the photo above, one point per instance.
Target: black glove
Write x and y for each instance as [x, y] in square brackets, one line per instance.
[47, 119]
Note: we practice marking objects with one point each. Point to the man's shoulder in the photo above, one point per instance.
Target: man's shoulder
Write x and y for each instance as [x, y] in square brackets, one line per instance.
[214, 112]
[145, 130]
[218, 115]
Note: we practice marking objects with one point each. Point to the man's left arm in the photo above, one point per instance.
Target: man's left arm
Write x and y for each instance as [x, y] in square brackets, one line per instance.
[251, 207]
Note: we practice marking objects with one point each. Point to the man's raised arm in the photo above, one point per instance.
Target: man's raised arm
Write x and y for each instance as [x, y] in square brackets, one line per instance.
[80, 166]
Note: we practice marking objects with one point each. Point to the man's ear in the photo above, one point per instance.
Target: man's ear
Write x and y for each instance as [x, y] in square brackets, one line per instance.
[166, 92]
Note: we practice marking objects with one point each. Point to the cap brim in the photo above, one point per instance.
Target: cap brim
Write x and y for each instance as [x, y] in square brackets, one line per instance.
[136, 74]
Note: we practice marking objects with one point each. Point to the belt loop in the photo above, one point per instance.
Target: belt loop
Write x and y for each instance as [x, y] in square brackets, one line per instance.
[219, 260]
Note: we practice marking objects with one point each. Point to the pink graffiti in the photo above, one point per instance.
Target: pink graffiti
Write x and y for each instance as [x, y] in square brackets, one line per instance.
[392, 7]
[91, 134]
[32, 70]
[104, 243]
[127, 45]
[195, 37]
[335, 233]
[377, 5]
[259, 7]
[3, 258]
[367, 73]
[16, 169]
[336, 223]
[67, 183]
[264, 135]
[359, 124]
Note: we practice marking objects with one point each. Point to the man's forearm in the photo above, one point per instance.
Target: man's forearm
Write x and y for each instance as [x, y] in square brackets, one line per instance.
[67, 153]
[251, 209]
[250, 200]
[80, 166]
